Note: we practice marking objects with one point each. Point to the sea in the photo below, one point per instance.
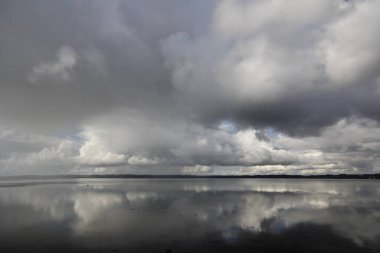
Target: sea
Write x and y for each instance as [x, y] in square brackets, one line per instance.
[188, 215]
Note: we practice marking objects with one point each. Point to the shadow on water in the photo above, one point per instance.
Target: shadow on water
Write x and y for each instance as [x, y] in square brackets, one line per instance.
[303, 237]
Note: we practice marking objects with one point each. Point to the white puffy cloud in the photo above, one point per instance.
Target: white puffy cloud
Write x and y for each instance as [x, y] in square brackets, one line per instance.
[138, 140]
[66, 59]
[351, 45]
[219, 147]
[50, 159]
[140, 160]
[196, 169]
[246, 18]
[255, 52]
[28, 153]
[94, 151]
[349, 146]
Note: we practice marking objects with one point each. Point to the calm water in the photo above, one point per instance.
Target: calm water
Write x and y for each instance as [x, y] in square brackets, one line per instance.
[189, 215]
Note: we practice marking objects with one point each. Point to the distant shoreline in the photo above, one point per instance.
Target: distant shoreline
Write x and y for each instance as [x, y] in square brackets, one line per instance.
[338, 176]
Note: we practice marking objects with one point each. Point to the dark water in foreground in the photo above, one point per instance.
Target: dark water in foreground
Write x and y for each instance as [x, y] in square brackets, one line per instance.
[189, 215]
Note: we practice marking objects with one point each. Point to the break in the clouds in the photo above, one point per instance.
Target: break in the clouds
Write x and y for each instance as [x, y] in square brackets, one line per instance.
[215, 87]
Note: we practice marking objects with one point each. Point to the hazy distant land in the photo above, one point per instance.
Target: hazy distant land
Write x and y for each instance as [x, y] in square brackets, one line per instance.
[283, 176]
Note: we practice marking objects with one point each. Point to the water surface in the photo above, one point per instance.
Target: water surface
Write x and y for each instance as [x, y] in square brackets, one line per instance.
[189, 215]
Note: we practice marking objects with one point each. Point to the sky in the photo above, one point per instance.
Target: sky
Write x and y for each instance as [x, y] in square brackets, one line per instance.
[226, 87]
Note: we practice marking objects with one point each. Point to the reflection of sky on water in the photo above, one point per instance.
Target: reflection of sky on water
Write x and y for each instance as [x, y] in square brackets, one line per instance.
[97, 213]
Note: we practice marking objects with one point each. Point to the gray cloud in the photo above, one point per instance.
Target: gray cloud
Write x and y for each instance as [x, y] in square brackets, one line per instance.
[189, 86]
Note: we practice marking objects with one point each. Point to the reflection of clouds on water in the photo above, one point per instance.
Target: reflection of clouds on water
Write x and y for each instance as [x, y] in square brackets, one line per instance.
[191, 209]
[197, 188]
[57, 204]
[88, 206]
[141, 196]
[352, 208]
[348, 222]
[265, 186]
[52, 203]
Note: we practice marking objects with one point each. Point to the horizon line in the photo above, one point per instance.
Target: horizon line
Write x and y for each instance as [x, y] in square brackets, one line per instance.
[316, 176]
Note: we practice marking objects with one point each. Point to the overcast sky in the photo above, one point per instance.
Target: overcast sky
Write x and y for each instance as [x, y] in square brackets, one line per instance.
[194, 87]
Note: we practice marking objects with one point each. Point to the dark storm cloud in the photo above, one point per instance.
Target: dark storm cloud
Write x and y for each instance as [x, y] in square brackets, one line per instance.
[304, 114]
[199, 84]
[296, 72]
